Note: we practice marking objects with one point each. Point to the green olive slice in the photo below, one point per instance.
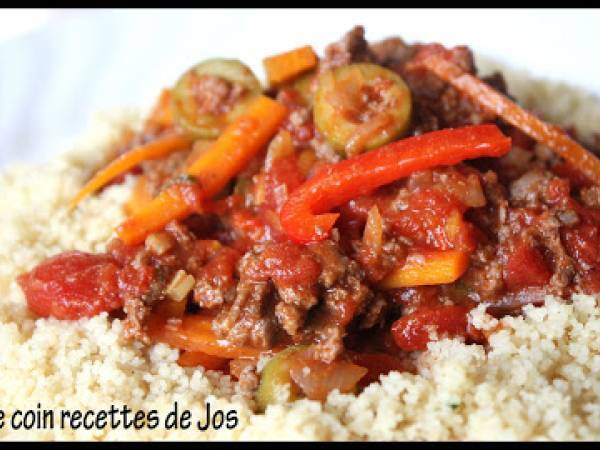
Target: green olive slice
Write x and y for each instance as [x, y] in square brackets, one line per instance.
[359, 107]
[210, 95]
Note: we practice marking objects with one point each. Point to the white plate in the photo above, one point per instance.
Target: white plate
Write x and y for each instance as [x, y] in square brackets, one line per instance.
[54, 79]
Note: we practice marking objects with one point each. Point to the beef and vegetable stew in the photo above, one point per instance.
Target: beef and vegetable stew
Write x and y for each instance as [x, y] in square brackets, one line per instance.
[327, 226]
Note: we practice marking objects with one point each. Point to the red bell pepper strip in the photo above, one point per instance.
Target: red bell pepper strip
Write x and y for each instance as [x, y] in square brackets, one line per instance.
[304, 216]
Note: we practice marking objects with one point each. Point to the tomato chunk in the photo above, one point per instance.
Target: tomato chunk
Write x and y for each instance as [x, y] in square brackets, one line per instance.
[287, 264]
[525, 267]
[583, 244]
[283, 177]
[413, 331]
[433, 219]
[72, 285]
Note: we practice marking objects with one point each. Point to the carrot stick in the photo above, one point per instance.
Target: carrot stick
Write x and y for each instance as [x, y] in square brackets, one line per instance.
[213, 169]
[429, 268]
[169, 205]
[285, 66]
[238, 144]
[195, 359]
[156, 149]
[194, 334]
[489, 99]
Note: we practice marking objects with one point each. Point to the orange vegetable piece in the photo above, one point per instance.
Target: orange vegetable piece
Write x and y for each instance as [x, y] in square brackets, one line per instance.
[213, 169]
[428, 268]
[549, 135]
[286, 66]
[170, 204]
[209, 362]
[158, 148]
[238, 144]
[194, 333]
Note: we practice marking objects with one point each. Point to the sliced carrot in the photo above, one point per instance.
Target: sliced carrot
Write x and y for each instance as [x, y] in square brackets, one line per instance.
[489, 99]
[169, 205]
[238, 144]
[213, 168]
[199, 147]
[428, 268]
[158, 148]
[286, 66]
[194, 333]
[195, 359]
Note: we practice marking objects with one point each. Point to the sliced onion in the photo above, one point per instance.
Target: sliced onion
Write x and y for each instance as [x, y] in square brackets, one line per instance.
[373, 234]
[317, 378]
[180, 286]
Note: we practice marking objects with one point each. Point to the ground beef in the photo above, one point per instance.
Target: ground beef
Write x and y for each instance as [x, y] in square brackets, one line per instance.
[378, 265]
[530, 189]
[344, 295]
[535, 190]
[436, 104]
[278, 285]
[158, 172]
[291, 317]
[323, 150]
[145, 275]
[548, 231]
[524, 214]
[590, 196]
[352, 48]
[248, 379]
[249, 319]
[142, 282]
[374, 313]
[311, 293]
[392, 52]
[493, 214]
[137, 312]
[215, 95]
[484, 276]
[216, 281]
[300, 118]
